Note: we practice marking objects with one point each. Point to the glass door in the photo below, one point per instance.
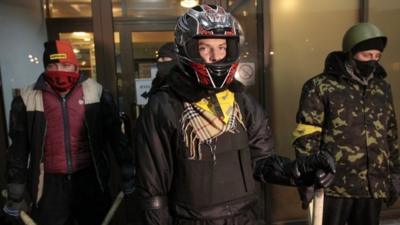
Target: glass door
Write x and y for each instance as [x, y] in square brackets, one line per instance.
[83, 47]
[136, 66]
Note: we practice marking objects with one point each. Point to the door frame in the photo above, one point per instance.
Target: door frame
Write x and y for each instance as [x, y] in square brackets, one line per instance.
[125, 28]
[3, 133]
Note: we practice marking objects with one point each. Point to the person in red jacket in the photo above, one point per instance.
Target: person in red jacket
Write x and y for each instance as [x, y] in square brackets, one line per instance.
[60, 128]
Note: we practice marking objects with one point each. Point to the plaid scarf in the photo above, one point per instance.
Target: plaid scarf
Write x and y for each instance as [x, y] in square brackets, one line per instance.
[202, 127]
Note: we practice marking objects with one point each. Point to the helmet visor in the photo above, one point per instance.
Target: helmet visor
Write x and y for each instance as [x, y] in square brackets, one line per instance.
[232, 49]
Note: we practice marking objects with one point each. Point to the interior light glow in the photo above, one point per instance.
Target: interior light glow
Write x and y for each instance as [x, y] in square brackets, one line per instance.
[189, 3]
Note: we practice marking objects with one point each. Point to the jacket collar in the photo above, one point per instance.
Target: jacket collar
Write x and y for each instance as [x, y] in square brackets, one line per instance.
[335, 65]
[190, 91]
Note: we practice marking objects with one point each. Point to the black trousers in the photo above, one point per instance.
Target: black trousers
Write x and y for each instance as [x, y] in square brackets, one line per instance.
[72, 199]
[363, 211]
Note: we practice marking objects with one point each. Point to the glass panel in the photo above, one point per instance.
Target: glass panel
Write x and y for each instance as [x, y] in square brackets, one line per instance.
[118, 68]
[385, 14]
[83, 45]
[246, 14]
[70, 8]
[145, 47]
[144, 50]
[148, 8]
[233, 2]
[303, 33]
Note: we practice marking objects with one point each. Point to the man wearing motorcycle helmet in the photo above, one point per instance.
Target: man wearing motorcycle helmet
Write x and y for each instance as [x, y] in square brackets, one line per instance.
[201, 142]
[348, 110]
[206, 24]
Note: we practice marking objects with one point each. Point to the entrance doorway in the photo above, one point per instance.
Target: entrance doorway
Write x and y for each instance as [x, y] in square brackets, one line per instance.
[126, 36]
[136, 54]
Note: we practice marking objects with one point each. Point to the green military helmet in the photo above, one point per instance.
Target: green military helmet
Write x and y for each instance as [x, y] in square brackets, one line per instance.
[361, 32]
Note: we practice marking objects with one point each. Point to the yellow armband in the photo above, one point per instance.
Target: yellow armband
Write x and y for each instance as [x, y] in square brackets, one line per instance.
[304, 129]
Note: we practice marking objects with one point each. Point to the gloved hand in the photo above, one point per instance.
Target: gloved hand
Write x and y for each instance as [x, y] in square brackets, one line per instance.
[6, 219]
[321, 160]
[306, 192]
[15, 202]
[394, 190]
[306, 195]
[128, 187]
[317, 169]
[323, 179]
[13, 208]
[281, 170]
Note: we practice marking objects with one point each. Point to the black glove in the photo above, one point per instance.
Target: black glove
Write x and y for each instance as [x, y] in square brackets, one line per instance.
[15, 201]
[13, 208]
[321, 160]
[394, 190]
[275, 169]
[128, 187]
[6, 219]
[306, 195]
[306, 192]
[323, 179]
[281, 170]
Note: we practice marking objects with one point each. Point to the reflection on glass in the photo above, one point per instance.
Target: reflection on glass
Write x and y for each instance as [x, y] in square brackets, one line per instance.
[189, 3]
[246, 15]
[147, 8]
[70, 8]
[302, 36]
[386, 14]
[83, 45]
[303, 32]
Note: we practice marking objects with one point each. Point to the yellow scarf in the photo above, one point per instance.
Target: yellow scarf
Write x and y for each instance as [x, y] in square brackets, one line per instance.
[225, 99]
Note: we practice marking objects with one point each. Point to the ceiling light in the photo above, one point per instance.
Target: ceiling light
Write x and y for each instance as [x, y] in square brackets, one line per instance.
[189, 3]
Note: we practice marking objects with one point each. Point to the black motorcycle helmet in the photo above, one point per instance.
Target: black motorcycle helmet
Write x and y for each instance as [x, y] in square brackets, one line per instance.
[208, 21]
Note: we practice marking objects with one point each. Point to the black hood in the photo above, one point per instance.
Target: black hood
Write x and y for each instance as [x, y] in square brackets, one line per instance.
[335, 65]
[189, 89]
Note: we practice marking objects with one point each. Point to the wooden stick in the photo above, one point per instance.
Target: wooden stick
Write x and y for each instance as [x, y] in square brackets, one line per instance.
[113, 208]
[26, 218]
[316, 208]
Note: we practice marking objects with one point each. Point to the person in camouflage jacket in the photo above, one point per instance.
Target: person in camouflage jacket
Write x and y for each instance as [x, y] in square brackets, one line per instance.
[348, 111]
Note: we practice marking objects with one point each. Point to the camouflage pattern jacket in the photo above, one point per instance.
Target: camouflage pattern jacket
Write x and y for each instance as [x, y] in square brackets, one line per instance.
[354, 121]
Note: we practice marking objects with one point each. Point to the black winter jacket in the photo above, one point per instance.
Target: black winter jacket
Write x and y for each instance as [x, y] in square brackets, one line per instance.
[176, 190]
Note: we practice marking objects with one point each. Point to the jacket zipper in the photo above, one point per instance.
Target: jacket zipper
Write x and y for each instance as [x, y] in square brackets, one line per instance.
[366, 134]
[67, 135]
[92, 154]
